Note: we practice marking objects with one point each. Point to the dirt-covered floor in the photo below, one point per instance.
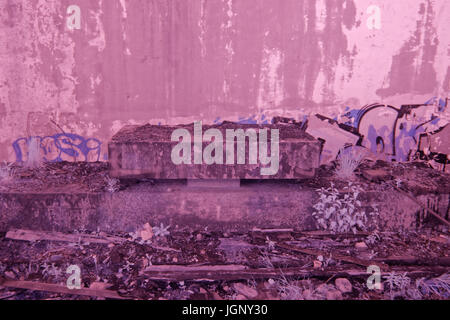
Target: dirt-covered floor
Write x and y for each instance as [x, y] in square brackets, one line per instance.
[177, 263]
[414, 177]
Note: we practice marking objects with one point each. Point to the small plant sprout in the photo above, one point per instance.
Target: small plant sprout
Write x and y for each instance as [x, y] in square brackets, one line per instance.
[342, 212]
[134, 235]
[397, 282]
[51, 270]
[270, 244]
[347, 162]
[112, 184]
[398, 182]
[149, 260]
[325, 261]
[161, 231]
[289, 290]
[8, 165]
[266, 261]
[373, 238]
[6, 171]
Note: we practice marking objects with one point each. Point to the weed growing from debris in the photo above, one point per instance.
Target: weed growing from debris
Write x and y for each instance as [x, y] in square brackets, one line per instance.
[4, 174]
[373, 238]
[347, 163]
[182, 293]
[270, 244]
[342, 213]
[6, 171]
[112, 185]
[326, 261]
[397, 283]
[288, 290]
[161, 231]
[51, 270]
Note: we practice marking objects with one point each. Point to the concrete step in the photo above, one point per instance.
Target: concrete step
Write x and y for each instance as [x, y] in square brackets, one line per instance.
[262, 205]
[147, 151]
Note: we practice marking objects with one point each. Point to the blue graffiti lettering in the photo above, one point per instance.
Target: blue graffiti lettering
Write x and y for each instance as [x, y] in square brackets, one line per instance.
[61, 147]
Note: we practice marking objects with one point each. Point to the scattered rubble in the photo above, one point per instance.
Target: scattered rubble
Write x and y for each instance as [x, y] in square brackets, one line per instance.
[343, 285]
[188, 264]
[166, 262]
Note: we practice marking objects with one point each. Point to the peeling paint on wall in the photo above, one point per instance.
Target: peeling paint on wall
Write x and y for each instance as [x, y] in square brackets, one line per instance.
[183, 61]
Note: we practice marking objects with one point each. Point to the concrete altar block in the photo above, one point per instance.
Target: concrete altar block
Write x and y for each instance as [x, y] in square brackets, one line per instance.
[146, 152]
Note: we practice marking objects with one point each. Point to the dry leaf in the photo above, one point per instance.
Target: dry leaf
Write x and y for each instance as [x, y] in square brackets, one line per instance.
[99, 286]
[147, 233]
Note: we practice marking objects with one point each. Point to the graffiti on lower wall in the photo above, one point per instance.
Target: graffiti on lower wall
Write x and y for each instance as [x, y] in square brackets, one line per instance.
[392, 134]
[395, 132]
[60, 147]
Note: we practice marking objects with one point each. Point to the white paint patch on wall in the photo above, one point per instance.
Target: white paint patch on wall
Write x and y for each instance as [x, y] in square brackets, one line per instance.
[321, 15]
[321, 80]
[442, 60]
[203, 28]
[67, 98]
[96, 80]
[124, 29]
[271, 82]
[123, 4]
[369, 71]
[99, 39]
[230, 14]
[227, 28]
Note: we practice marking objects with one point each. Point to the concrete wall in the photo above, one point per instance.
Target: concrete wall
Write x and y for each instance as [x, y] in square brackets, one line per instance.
[172, 61]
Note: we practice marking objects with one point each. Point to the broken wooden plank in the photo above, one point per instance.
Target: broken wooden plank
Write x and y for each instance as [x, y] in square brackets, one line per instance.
[7, 295]
[332, 235]
[272, 230]
[181, 268]
[56, 288]
[31, 235]
[319, 243]
[215, 274]
[340, 257]
[165, 248]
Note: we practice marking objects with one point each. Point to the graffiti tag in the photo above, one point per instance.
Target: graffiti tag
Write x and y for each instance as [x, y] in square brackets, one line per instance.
[61, 147]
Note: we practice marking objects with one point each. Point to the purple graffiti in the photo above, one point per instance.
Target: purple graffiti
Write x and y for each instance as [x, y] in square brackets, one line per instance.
[61, 147]
[394, 132]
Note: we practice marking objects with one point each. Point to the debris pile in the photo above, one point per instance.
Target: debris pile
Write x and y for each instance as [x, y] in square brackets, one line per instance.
[179, 263]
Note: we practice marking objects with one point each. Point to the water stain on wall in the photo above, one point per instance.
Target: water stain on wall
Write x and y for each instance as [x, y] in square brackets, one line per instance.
[412, 69]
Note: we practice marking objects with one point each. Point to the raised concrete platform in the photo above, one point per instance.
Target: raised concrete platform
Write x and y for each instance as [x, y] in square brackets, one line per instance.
[146, 152]
[263, 205]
